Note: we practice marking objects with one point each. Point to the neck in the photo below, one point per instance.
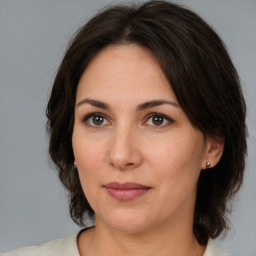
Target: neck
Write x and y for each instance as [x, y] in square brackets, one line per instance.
[177, 240]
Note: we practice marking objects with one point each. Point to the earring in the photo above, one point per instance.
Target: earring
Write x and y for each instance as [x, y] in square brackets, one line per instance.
[208, 164]
[75, 163]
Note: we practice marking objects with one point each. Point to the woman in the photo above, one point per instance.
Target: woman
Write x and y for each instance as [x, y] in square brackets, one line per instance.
[147, 129]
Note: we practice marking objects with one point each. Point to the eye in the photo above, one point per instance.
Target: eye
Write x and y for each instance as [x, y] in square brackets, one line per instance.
[96, 120]
[157, 119]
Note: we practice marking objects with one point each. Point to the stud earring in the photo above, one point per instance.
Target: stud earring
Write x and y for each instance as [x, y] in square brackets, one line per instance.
[75, 163]
[208, 164]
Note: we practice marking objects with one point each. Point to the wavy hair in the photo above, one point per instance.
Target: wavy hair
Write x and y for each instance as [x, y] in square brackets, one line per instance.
[202, 76]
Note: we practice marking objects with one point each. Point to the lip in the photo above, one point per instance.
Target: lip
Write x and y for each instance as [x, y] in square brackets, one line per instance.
[125, 191]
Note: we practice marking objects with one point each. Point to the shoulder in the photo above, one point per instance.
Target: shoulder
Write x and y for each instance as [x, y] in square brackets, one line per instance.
[212, 249]
[58, 247]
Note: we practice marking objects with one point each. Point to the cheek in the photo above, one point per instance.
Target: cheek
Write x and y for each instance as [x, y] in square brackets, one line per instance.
[88, 155]
[177, 170]
[177, 152]
[85, 147]
[178, 160]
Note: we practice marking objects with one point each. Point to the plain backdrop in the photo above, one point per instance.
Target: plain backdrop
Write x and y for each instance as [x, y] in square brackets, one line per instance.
[33, 37]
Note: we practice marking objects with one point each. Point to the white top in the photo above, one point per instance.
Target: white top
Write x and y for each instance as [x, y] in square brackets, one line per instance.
[68, 247]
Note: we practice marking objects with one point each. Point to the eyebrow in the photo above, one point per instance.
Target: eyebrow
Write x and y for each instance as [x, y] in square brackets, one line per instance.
[96, 103]
[154, 103]
[143, 106]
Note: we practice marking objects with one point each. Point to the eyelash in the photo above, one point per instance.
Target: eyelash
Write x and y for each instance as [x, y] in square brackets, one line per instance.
[151, 115]
[91, 115]
[165, 118]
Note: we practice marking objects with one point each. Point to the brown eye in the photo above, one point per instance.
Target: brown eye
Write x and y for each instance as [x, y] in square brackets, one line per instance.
[157, 120]
[98, 120]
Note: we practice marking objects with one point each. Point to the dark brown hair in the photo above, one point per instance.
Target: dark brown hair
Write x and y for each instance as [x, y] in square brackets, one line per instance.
[202, 76]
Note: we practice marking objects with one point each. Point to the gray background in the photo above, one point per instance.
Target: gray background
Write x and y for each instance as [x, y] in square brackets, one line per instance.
[33, 36]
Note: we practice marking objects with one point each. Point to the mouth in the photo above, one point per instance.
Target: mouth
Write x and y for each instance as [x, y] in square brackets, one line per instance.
[125, 191]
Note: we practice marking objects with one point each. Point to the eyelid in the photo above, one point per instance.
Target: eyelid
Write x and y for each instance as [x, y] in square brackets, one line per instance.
[169, 119]
[85, 118]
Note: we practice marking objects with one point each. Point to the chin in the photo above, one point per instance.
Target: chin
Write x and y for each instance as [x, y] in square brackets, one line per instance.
[128, 222]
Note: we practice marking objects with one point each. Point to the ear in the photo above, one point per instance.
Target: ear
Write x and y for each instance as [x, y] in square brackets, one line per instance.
[213, 153]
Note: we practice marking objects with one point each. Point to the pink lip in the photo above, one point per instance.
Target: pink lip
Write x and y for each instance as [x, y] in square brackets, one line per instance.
[125, 191]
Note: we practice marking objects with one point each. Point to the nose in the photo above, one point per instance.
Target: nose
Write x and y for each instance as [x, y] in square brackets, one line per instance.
[124, 152]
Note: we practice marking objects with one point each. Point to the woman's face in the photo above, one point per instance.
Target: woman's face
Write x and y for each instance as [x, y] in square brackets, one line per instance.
[137, 154]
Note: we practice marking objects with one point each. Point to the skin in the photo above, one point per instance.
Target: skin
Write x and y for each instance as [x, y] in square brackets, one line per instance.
[129, 146]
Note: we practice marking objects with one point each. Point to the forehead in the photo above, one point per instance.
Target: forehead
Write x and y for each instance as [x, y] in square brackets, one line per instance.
[129, 69]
